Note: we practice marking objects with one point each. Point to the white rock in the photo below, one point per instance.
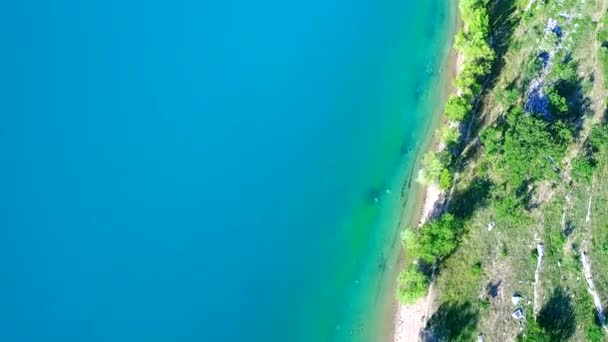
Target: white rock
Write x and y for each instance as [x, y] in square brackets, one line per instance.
[516, 298]
[518, 314]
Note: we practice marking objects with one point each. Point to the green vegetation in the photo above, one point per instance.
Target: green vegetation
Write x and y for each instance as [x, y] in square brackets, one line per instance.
[602, 37]
[582, 169]
[412, 285]
[532, 176]
[474, 47]
[557, 103]
[426, 246]
[435, 240]
[458, 107]
[598, 139]
[432, 167]
[445, 179]
[450, 135]
[530, 147]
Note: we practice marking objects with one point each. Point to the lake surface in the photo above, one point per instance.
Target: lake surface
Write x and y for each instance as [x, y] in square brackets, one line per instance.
[208, 170]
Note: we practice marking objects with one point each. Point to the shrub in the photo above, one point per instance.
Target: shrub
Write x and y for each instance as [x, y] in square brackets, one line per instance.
[598, 140]
[432, 167]
[450, 135]
[477, 269]
[507, 97]
[445, 179]
[457, 108]
[412, 285]
[438, 238]
[594, 334]
[605, 248]
[504, 250]
[492, 140]
[532, 146]
[509, 208]
[604, 63]
[557, 103]
[582, 168]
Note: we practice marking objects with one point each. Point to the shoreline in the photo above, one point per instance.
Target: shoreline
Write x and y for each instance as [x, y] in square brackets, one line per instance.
[409, 320]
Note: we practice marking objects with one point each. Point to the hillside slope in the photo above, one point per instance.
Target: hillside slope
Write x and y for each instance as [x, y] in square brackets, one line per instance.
[519, 249]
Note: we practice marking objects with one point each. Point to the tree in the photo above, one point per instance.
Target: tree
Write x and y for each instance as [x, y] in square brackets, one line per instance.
[412, 284]
[532, 146]
[582, 168]
[492, 140]
[457, 108]
[450, 135]
[557, 103]
[445, 179]
[438, 238]
[598, 140]
[431, 168]
[507, 97]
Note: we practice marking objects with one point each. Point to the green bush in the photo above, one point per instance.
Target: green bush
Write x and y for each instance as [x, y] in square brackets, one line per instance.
[603, 56]
[594, 334]
[509, 208]
[598, 139]
[457, 108]
[507, 97]
[532, 146]
[445, 179]
[432, 166]
[491, 138]
[582, 168]
[477, 269]
[450, 135]
[533, 332]
[412, 285]
[557, 103]
[437, 239]
[605, 247]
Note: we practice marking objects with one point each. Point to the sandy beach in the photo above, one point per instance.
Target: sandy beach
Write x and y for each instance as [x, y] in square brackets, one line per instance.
[410, 320]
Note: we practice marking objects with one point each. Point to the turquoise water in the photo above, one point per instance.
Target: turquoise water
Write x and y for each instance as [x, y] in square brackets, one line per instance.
[208, 171]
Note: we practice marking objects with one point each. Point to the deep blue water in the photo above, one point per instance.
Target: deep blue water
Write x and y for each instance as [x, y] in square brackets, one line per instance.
[202, 170]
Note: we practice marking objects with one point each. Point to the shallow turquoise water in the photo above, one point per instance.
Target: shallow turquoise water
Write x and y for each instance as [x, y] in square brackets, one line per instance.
[206, 171]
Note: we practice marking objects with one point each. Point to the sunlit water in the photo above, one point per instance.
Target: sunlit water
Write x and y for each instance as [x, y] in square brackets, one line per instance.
[208, 170]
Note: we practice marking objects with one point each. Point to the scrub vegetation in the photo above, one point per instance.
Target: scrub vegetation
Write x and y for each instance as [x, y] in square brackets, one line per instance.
[518, 247]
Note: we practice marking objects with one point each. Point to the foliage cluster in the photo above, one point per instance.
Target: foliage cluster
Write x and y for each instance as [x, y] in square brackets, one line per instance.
[427, 245]
[602, 37]
[584, 165]
[525, 149]
[473, 44]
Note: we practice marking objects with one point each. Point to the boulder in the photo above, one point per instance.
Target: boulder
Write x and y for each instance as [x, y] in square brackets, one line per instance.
[518, 314]
[516, 298]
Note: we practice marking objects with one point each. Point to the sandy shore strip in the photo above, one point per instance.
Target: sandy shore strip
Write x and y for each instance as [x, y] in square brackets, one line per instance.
[410, 320]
